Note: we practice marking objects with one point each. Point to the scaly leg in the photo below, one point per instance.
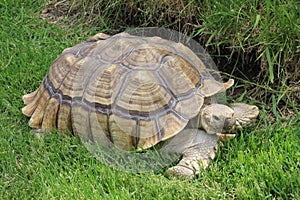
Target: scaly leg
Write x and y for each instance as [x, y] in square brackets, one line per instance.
[198, 149]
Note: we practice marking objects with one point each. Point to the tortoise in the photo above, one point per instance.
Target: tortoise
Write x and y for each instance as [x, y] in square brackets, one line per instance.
[135, 92]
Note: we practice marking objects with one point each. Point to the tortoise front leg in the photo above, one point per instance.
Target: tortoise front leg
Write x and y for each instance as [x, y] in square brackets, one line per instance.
[198, 149]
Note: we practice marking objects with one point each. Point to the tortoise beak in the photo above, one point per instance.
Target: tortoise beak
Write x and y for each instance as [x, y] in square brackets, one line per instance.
[226, 137]
[229, 124]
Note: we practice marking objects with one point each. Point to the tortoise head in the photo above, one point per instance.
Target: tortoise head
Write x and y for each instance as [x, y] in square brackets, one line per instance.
[218, 118]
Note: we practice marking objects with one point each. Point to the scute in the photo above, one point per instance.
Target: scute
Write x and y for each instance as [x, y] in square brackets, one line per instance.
[115, 49]
[60, 69]
[75, 83]
[189, 107]
[142, 94]
[64, 117]
[123, 132]
[145, 57]
[171, 124]
[125, 90]
[99, 128]
[180, 76]
[49, 119]
[104, 85]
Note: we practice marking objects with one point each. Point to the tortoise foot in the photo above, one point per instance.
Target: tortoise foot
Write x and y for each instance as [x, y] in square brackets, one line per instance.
[185, 169]
[181, 172]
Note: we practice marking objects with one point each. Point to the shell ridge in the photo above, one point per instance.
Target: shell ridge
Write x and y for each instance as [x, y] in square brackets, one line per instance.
[91, 136]
[162, 62]
[53, 91]
[160, 132]
[67, 73]
[138, 133]
[28, 98]
[121, 90]
[31, 106]
[59, 98]
[92, 74]
[49, 118]
[163, 82]
[108, 129]
[48, 85]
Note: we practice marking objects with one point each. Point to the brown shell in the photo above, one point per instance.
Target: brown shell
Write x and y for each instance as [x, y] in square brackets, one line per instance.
[130, 91]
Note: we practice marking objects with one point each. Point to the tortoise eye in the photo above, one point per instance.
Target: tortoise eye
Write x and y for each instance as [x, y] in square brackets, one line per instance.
[216, 117]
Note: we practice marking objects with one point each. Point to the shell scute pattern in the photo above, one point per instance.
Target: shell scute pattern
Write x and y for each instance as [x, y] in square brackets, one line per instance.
[127, 90]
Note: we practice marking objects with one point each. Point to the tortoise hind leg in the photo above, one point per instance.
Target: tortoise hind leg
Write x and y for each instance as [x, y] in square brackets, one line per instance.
[197, 147]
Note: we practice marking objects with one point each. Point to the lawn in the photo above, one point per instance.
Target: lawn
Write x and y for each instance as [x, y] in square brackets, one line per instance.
[260, 163]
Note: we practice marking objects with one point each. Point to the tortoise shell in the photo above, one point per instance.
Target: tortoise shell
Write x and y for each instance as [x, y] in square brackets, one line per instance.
[127, 90]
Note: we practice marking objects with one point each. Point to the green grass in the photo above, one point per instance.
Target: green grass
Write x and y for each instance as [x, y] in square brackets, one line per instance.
[261, 163]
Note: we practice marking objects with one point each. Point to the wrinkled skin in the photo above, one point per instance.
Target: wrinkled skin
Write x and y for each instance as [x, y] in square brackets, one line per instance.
[218, 118]
[198, 146]
[245, 114]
